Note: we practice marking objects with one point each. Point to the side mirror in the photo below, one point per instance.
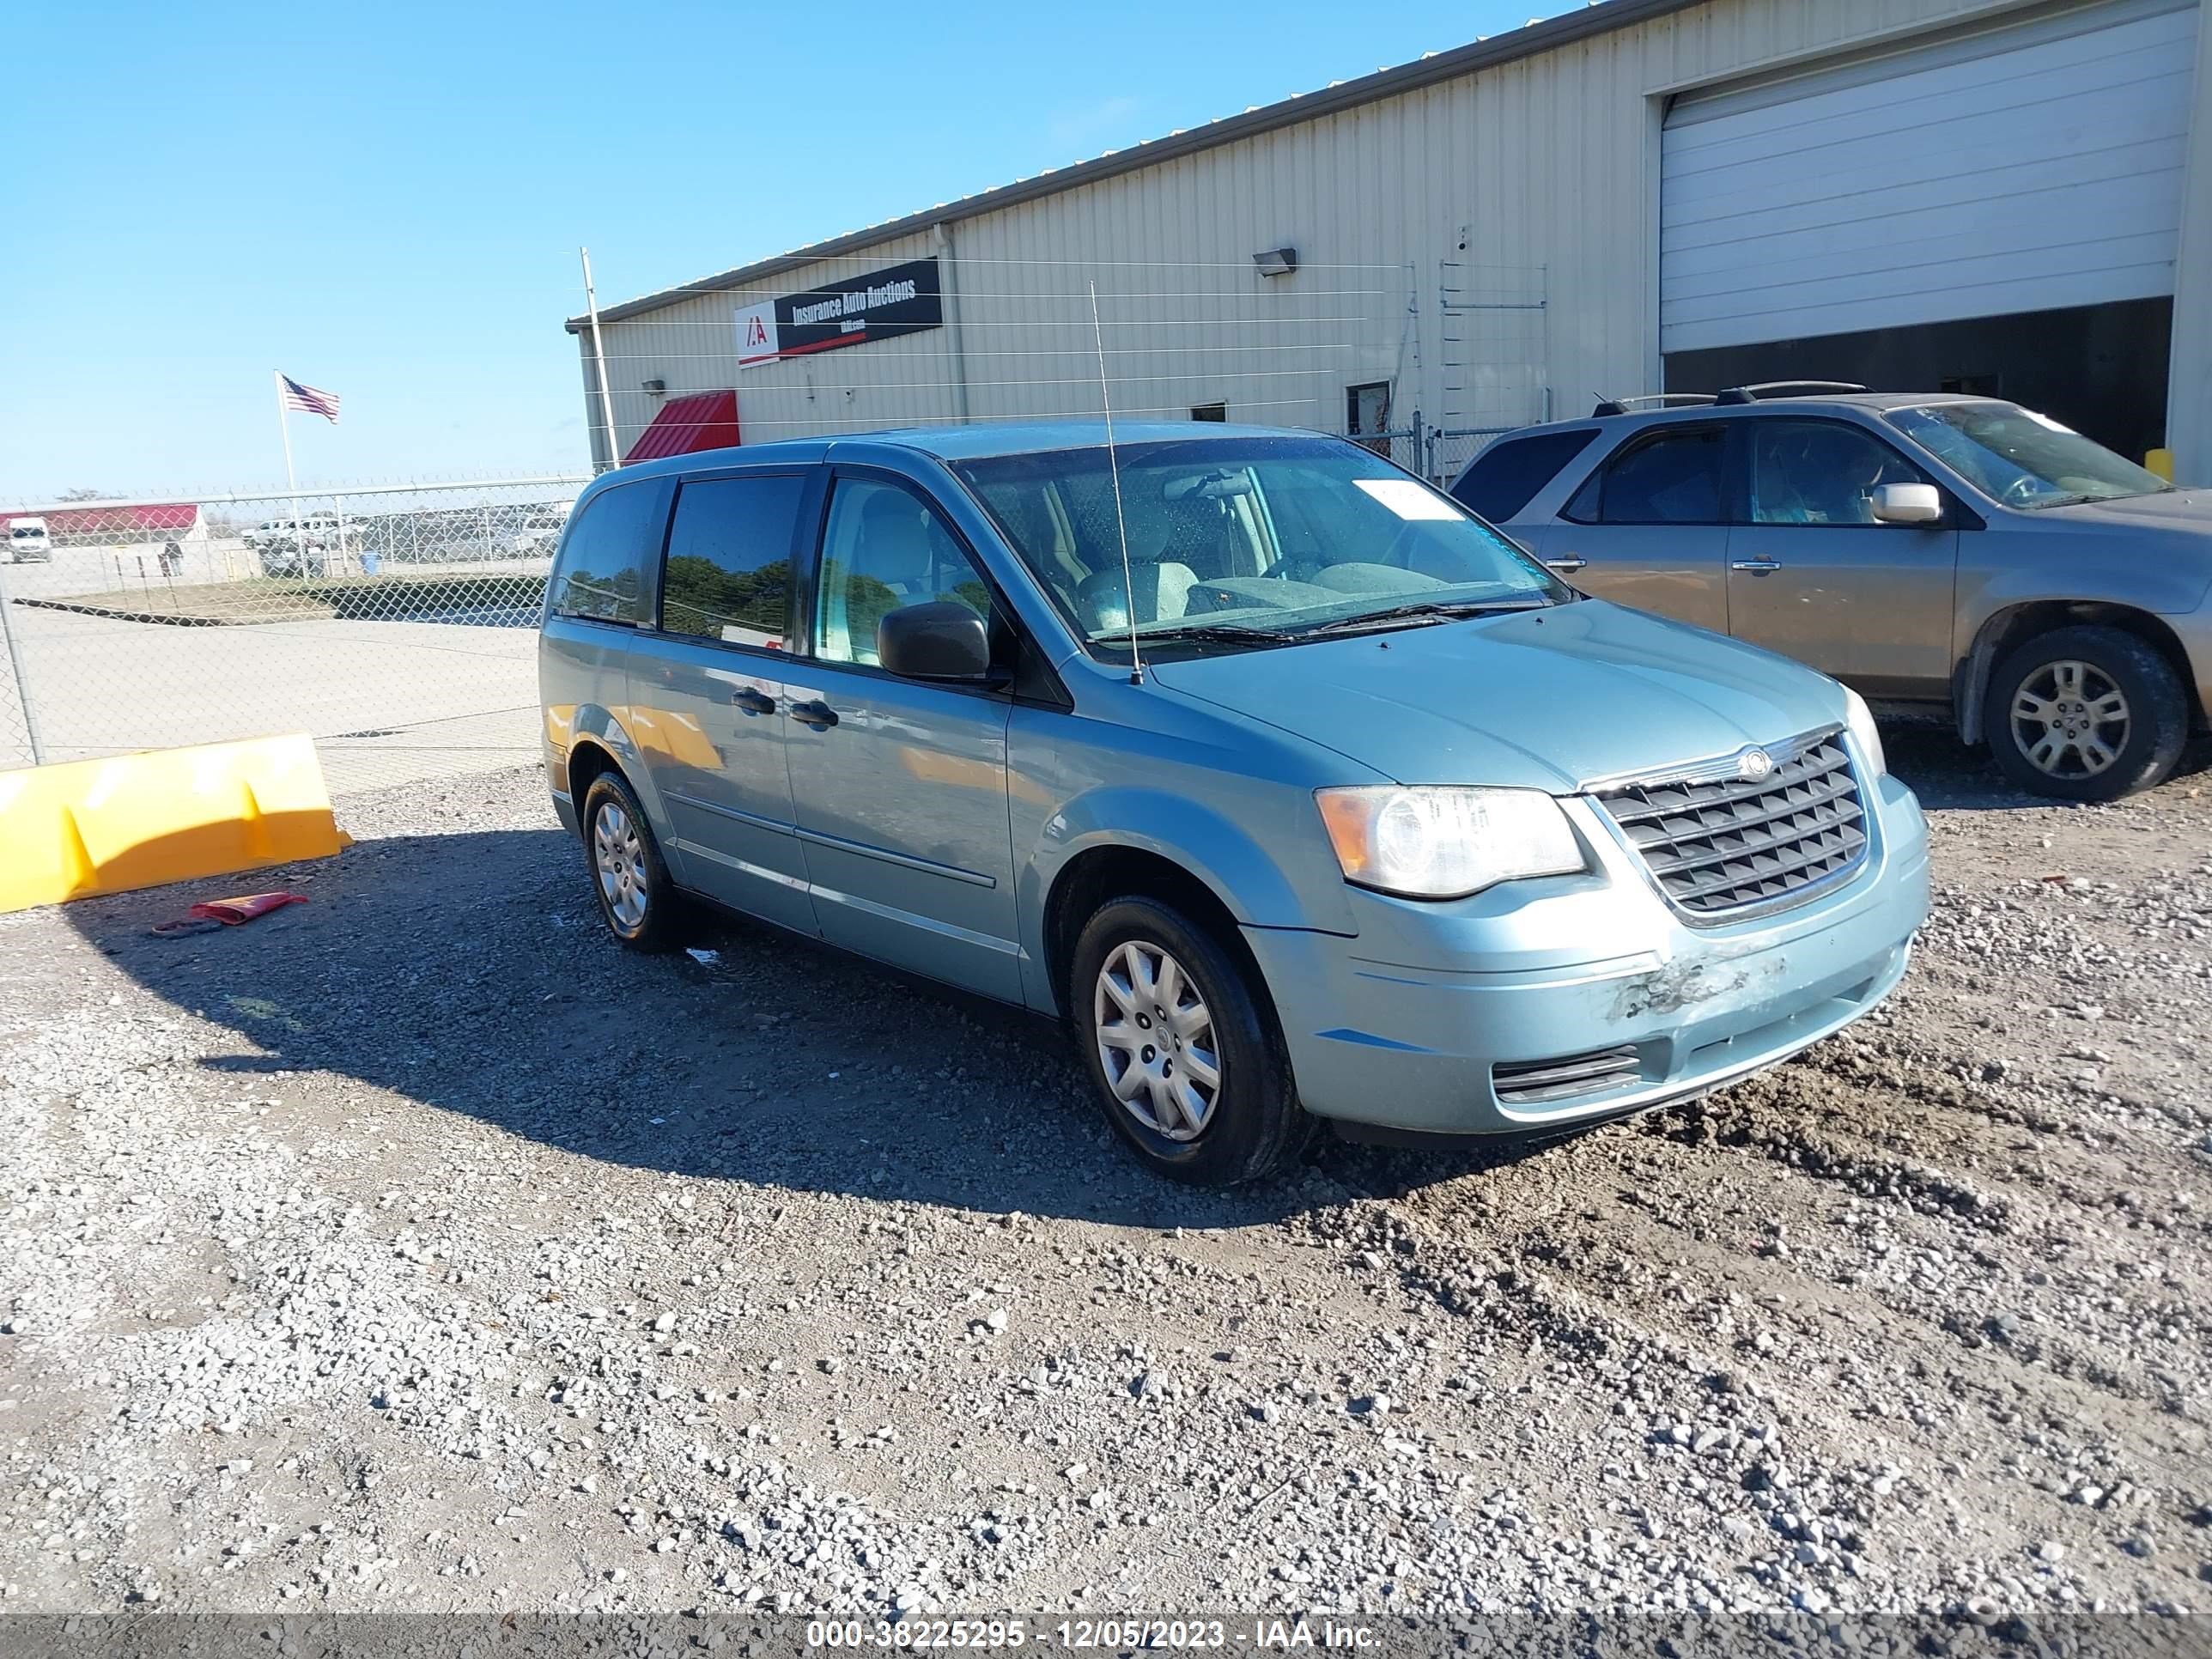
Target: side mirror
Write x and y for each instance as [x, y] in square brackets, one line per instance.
[938, 640]
[1907, 503]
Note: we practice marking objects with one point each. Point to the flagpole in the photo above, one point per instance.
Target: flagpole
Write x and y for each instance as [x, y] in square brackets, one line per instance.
[291, 484]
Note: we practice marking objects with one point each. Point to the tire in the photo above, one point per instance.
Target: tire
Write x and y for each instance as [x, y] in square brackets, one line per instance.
[1249, 1122]
[2046, 699]
[637, 900]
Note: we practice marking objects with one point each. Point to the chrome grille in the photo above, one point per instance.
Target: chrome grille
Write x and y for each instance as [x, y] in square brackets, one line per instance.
[1722, 844]
[1529, 1082]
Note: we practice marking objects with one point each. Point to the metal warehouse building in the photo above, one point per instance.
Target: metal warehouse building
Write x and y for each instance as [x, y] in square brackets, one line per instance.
[1964, 195]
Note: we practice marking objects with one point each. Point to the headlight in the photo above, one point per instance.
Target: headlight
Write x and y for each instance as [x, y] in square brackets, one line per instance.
[1446, 843]
[1860, 718]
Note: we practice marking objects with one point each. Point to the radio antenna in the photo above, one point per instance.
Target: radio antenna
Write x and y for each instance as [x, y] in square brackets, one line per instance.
[1113, 465]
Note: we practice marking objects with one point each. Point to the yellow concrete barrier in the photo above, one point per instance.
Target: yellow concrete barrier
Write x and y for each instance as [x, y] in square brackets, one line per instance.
[109, 826]
[2159, 461]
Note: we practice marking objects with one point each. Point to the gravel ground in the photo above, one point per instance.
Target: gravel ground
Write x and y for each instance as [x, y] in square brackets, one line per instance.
[415, 1248]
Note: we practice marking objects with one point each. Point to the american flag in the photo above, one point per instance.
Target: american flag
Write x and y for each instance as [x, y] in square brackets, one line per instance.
[308, 401]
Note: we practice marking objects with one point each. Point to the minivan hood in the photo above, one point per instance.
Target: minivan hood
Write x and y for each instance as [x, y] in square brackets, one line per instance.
[1552, 699]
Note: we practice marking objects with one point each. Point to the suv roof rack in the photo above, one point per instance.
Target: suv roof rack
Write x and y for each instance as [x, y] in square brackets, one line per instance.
[1748, 394]
[1663, 399]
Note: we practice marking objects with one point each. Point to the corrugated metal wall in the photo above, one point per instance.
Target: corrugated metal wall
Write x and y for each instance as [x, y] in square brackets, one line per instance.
[1548, 161]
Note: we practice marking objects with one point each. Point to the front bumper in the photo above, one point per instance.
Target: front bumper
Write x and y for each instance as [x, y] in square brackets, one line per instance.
[1400, 1026]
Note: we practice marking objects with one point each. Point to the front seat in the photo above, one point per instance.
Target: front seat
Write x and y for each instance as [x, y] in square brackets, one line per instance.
[1160, 587]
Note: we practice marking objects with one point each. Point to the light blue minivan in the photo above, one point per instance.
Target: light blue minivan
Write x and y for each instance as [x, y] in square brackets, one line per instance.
[1295, 790]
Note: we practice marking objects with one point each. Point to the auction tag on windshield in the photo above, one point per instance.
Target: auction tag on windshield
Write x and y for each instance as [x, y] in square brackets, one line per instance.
[1407, 499]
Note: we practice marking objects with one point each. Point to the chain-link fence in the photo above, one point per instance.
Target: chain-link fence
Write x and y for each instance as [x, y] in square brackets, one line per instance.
[395, 624]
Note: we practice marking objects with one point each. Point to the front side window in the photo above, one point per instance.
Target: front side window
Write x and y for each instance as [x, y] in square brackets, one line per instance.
[1820, 472]
[883, 548]
[1671, 477]
[1506, 477]
[728, 574]
[1264, 539]
[2021, 459]
[605, 566]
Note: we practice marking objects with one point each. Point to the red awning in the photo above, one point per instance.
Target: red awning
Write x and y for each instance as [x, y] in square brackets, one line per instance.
[702, 420]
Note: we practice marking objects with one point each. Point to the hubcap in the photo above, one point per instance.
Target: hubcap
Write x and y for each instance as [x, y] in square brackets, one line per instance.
[1156, 1041]
[2071, 719]
[619, 856]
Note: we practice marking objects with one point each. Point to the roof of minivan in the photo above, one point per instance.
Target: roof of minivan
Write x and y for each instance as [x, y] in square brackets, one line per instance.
[965, 443]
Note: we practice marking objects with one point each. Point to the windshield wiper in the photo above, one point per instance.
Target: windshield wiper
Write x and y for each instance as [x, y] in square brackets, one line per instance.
[1430, 611]
[1211, 633]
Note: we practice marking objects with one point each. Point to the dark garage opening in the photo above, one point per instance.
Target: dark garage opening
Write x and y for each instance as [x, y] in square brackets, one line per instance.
[2100, 370]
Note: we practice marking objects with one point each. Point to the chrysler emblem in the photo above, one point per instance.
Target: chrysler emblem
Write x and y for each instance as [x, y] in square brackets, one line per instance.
[1754, 764]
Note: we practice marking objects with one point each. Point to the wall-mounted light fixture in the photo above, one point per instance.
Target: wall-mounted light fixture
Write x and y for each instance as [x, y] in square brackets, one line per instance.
[1277, 261]
[656, 387]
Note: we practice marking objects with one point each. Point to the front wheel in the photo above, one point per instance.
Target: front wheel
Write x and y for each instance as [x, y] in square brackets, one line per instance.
[1179, 1041]
[2085, 713]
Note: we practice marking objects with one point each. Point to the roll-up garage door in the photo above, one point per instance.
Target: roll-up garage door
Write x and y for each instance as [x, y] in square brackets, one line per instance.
[2020, 169]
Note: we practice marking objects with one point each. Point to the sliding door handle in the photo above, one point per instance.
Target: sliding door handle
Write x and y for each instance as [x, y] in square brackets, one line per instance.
[753, 700]
[1567, 562]
[815, 713]
[1757, 566]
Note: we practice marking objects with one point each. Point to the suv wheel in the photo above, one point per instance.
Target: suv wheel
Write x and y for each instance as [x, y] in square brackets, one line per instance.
[639, 902]
[2085, 713]
[1182, 1048]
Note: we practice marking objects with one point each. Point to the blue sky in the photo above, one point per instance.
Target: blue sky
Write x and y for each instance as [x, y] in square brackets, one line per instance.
[386, 201]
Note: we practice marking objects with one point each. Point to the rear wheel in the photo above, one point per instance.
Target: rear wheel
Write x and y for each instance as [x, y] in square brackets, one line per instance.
[1181, 1045]
[637, 900]
[2085, 713]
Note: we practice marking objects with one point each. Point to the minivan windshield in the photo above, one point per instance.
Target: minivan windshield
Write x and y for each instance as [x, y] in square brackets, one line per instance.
[2021, 459]
[1248, 540]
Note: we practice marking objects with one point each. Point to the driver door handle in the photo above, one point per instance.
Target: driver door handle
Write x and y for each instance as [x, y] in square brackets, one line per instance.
[753, 700]
[1566, 562]
[815, 713]
[1757, 566]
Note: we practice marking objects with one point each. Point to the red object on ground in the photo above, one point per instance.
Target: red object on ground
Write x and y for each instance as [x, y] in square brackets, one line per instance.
[702, 420]
[228, 913]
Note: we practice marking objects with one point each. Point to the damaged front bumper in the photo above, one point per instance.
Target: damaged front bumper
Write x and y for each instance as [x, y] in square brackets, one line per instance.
[1539, 1004]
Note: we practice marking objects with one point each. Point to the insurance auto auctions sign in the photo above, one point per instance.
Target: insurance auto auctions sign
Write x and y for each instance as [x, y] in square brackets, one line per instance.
[878, 306]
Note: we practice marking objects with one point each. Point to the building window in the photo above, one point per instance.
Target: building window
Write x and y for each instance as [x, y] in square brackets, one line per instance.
[1367, 414]
[1209, 412]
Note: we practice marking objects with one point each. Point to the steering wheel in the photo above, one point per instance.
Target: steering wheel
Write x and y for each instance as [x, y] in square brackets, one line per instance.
[2023, 486]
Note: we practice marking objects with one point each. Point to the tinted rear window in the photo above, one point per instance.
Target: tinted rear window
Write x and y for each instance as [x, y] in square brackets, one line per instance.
[609, 556]
[1506, 477]
[1672, 477]
[728, 576]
